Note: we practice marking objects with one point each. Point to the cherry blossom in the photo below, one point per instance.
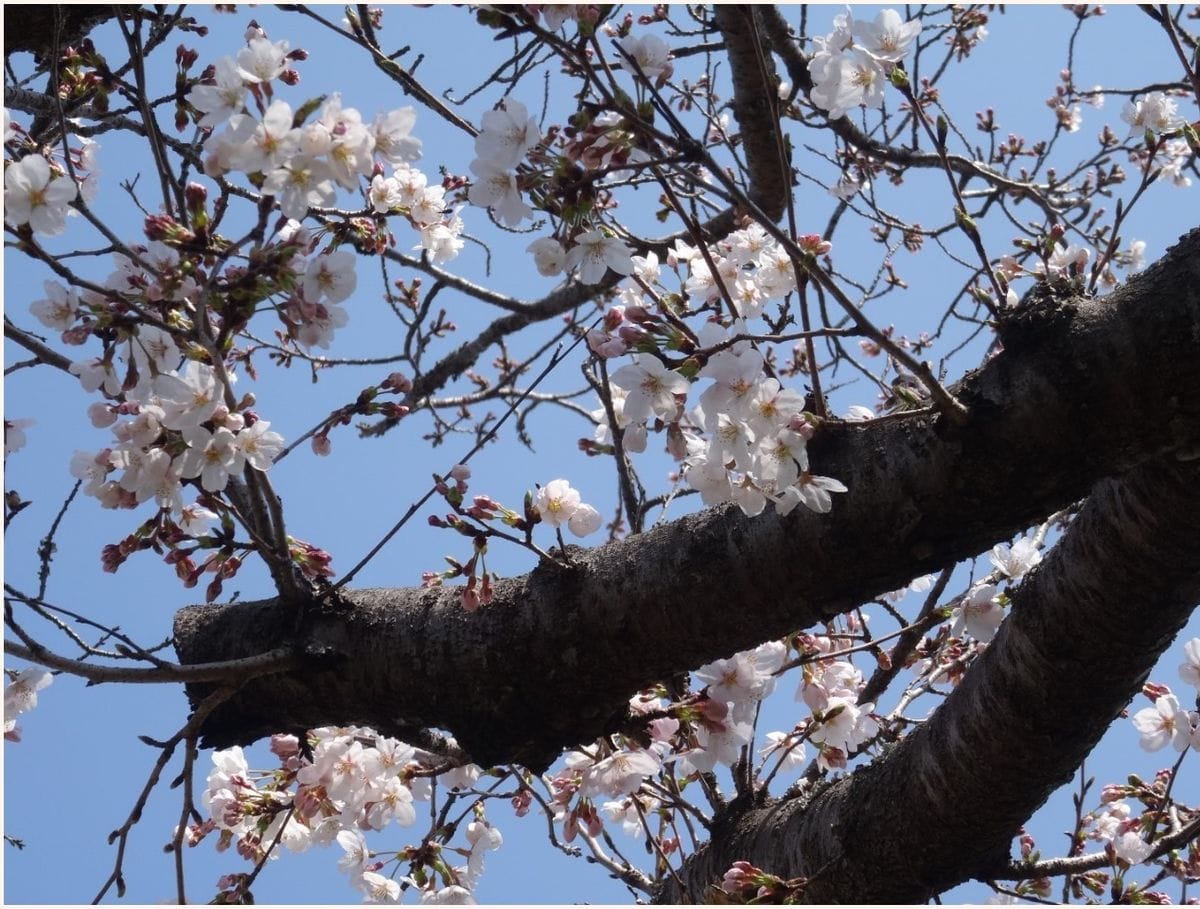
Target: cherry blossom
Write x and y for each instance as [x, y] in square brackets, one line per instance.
[887, 38]
[379, 889]
[507, 134]
[1016, 560]
[594, 253]
[223, 99]
[978, 614]
[271, 144]
[746, 676]
[620, 773]
[584, 521]
[211, 456]
[1166, 723]
[548, 256]
[384, 194]
[1189, 670]
[392, 140]
[21, 696]
[452, 895]
[331, 275]
[188, 399]
[59, 308]
[262, 60]
[813, 491]
[846, 725]
[651, 55]
[14, 434]
[1066, 260]
[851, 79]
[496, 189]
[34, 196]
[650, 386]
[95, 374]
[195, 520]
[556, 502]
[792, 748]
[300, 183]
[1155, 112]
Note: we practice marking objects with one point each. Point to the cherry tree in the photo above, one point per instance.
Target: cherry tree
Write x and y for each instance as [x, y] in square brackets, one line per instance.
[710, 544]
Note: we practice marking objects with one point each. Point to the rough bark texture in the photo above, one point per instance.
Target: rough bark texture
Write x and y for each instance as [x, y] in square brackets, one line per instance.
[944, 805]
[754, 107]
[1084, 390]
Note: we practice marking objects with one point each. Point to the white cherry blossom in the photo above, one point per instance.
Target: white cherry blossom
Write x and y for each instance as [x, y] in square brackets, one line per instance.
[979, 614]
[262, 60]
[1189, 670]
[496, 189]
[584, 521]
[507, 134]
[59, 307]
[392, 140]
[549, 257]
[651, 54]
[556, 502]
[1166, 723]
[889, 37]
[34, 196]
[594, 253]
[651, 388]
[300, 183]
[331, 275]
[211, 456]
[1155, 112]
[1016, 560]
[259, 445]
[223, 99]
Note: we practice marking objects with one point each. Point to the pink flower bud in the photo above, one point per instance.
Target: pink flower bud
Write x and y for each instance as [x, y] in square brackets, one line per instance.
[398, 381]
[321, 445]
[814, 245]
[1154, 691]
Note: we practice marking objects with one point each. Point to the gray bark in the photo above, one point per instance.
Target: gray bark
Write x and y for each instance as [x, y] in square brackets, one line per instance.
[1084, 390]
[942, 807]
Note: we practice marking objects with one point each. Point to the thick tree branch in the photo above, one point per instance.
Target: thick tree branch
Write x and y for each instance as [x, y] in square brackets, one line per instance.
[1083, 390]
[769, 185]
[1086, 629]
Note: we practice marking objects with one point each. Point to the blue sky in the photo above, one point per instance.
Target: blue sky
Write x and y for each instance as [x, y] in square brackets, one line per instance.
[76, 775]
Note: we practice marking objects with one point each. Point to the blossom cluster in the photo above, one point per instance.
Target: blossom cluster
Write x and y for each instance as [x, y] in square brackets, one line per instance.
[508, 134]
[348, 781]
[302, 165]
[745, 442]
[1152, 116]
[177, 426]
[851, 65]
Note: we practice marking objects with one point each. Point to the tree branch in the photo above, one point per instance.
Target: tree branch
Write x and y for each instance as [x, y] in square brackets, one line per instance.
[1085, 630]
[923, 494]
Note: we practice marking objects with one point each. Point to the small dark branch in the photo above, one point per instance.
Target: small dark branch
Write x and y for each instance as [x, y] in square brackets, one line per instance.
[911, 636]
[47, 546]
[1079, 864]
[43, 353]
[121, 834]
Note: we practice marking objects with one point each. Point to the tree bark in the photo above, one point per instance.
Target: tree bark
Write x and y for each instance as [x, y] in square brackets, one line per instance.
[1084, 389]
[1086, 628]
